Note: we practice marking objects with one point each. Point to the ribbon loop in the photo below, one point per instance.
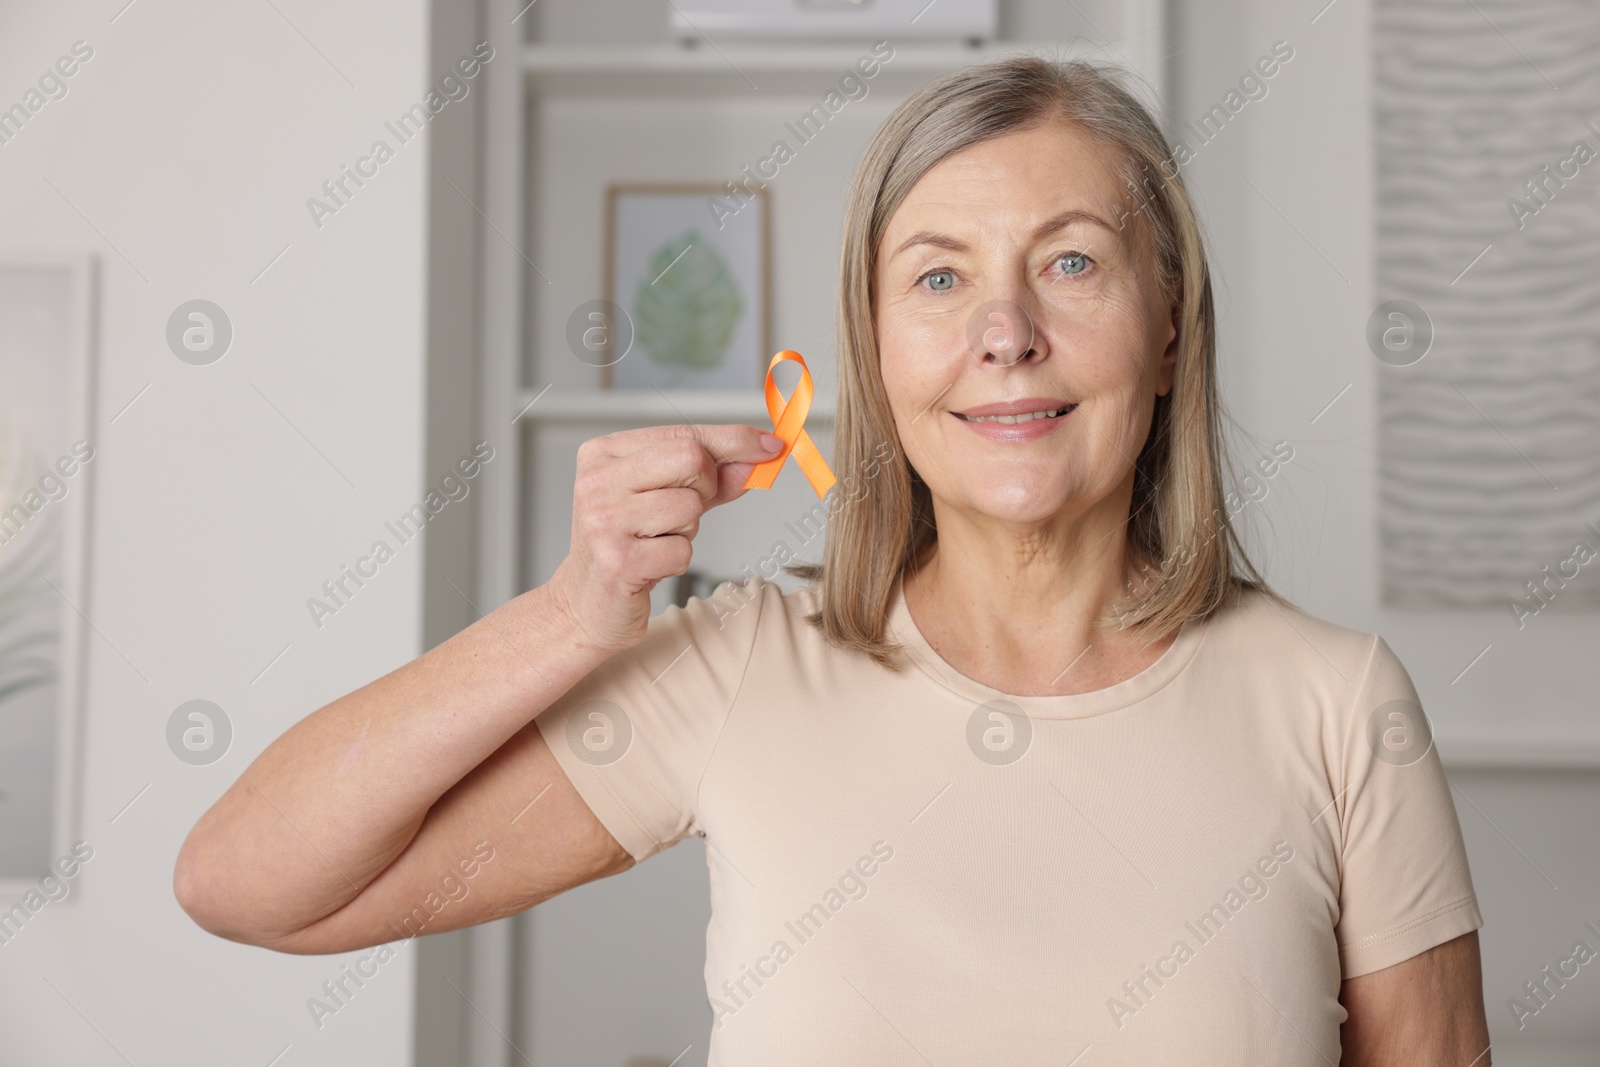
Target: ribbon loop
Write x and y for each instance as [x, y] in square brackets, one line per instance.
[788, 424]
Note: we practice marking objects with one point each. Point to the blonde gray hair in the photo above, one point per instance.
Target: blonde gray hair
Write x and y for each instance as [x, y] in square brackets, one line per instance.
[1177, 522]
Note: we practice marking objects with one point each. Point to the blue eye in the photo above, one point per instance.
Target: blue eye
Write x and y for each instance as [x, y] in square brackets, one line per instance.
[1080, 260]
[937, 272]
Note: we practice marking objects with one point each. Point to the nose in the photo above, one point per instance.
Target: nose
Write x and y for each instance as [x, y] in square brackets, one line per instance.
[1002, 332]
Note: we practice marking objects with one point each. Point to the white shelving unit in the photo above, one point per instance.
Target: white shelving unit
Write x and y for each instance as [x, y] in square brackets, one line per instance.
[593, 113]
[620, 74]
[653, 69]
[615, 407]
[560, 121]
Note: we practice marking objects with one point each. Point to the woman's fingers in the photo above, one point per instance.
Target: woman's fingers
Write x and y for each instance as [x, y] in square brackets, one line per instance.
[637, 502]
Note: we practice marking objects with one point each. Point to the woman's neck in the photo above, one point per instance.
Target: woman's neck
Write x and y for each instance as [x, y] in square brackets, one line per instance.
[1029, 624]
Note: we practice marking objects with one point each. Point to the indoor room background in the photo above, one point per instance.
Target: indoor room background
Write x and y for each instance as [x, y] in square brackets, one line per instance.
[241, 345]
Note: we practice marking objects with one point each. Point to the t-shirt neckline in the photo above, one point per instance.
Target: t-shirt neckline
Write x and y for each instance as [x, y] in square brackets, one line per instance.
[903, 628]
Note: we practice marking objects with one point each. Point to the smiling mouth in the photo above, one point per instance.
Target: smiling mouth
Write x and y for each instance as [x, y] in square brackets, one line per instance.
[1029, 417]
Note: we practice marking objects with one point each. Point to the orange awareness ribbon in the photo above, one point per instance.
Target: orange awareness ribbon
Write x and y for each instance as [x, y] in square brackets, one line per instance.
[788, 421]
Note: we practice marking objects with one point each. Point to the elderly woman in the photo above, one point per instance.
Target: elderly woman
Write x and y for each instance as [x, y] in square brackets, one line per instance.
[1034, 769]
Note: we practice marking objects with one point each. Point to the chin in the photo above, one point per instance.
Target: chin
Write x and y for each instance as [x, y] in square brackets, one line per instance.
[1009, 503]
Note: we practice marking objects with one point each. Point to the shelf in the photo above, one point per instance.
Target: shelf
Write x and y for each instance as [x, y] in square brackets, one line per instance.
[1520, 753]
[745, 68]
[648, 407]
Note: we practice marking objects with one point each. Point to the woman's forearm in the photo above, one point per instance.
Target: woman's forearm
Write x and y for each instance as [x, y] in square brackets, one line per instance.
[331, 803]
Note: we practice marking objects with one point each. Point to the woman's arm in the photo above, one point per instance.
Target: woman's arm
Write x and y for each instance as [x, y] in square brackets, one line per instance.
[1426, 1011]
[362, 809]
[319, 817]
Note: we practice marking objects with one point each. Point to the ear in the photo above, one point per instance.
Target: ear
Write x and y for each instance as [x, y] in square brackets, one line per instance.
[1166, 373]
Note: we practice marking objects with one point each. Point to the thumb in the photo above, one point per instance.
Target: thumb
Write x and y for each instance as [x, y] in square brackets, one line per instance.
[730, 482]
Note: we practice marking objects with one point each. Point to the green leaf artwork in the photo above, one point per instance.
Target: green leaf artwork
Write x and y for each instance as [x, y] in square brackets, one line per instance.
[685, 319]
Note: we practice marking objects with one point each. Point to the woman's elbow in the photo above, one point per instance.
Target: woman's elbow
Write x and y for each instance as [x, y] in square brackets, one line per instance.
[194, 886]
[200, 885]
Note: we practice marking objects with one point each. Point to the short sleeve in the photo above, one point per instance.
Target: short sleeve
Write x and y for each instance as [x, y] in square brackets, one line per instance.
[636, 734]
[1405, 886]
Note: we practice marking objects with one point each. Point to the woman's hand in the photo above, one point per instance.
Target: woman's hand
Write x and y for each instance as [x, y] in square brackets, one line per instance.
[636, 507]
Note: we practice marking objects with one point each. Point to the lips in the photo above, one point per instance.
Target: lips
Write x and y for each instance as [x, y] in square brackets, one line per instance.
[1017, 411]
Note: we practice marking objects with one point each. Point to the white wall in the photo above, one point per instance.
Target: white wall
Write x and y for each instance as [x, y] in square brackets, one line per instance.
[225, 494]
[189, 145]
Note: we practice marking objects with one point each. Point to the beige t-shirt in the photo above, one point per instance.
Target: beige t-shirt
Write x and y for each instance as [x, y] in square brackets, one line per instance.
[914, 868]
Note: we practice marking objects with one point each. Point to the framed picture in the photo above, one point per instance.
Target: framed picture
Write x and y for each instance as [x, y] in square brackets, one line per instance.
[47, 455]
[687, 276]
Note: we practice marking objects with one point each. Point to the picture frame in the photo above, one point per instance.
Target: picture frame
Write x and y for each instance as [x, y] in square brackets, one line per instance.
[687, 281]
[47, 329]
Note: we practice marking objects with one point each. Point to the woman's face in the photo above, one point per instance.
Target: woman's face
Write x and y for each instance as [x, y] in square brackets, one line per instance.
[994, 284]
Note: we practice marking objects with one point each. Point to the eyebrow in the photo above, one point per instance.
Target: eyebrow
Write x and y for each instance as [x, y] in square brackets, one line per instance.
[1045, 229]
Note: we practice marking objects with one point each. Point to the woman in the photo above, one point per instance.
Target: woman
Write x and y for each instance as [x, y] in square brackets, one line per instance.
[1030, 771]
